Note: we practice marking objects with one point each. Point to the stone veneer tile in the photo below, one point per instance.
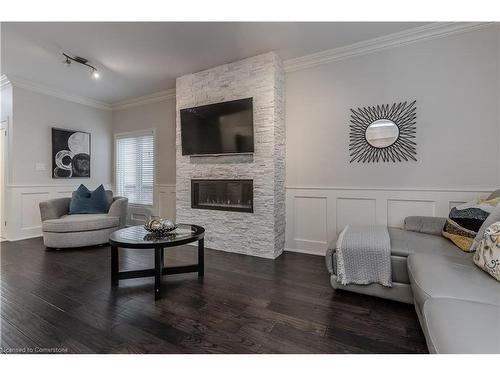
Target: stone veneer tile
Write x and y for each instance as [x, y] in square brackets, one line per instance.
[261, 233]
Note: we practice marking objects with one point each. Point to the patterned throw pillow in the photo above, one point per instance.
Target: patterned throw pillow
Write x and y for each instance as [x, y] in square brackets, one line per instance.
[487, 256]
[465, 220]
[493, 218]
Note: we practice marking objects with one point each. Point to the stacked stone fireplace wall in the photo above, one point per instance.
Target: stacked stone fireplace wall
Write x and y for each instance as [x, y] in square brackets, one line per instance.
[261, 233]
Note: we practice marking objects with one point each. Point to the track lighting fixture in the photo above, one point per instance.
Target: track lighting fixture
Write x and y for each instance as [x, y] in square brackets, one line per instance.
[94, 73]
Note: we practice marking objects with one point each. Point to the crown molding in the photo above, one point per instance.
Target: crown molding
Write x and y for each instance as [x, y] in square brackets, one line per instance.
[4, 81]
[146, 99]
[50, 91]
[431, 189]
[403, 38]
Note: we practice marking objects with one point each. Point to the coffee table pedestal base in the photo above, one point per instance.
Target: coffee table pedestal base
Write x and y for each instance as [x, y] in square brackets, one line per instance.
[159, 269]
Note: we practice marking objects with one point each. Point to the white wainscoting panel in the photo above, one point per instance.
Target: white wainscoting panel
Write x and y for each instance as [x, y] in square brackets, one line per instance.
[166, 201]
[315, 216]
[455, 204]
[355, 211]
[137, 214]
[311, 223]
[30, 212]
[398, 209]
[23, 212]
[164, 206]
[64, 193]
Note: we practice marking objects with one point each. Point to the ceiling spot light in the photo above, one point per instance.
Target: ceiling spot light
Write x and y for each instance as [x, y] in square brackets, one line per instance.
[94, 73]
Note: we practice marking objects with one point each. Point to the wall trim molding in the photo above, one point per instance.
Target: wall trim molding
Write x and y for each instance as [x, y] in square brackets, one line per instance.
[51, 91]
[303, 251]
[4, 81]
[76, 184]
[312, 226]
[348, 188]
[399, 39]
[145, 99]
[22, 238]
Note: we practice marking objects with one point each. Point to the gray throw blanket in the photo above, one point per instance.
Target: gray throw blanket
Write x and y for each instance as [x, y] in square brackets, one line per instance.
[364, 255]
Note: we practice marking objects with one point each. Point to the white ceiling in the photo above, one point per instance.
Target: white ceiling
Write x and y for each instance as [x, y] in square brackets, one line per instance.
[136, 59]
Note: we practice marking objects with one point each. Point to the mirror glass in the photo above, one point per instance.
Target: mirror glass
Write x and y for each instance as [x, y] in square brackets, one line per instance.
[382, 133]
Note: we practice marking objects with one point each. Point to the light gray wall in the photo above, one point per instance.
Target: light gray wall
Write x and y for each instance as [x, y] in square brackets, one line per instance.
[455, 83]
[35, 114]
[160, 116]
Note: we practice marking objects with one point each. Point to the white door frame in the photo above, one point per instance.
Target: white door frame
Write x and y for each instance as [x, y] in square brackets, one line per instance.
[4, 128]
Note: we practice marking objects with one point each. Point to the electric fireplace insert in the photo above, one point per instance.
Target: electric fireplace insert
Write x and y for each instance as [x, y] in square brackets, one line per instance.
[225, 195]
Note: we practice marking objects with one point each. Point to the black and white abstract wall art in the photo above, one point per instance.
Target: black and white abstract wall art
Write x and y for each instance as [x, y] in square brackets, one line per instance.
[383, 133]
[70, 154]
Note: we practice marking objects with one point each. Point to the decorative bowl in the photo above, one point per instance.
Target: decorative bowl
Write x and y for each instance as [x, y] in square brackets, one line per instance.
[159, 227]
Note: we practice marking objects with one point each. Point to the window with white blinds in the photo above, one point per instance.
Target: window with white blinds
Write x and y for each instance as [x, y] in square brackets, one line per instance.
[135, 167]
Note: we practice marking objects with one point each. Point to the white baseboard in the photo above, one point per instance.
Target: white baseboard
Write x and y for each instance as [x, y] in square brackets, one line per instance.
[305, 251]
[23, 238]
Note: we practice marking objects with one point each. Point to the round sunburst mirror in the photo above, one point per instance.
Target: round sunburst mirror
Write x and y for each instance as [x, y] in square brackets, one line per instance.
[383, 133]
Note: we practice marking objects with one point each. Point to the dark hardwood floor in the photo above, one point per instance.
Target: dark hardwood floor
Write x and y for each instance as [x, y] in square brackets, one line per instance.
[62, 301]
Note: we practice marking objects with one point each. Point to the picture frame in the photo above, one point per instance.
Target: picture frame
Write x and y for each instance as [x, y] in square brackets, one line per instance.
[71, 153]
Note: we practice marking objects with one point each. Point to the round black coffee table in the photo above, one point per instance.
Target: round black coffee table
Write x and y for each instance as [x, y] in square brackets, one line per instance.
[138, 238]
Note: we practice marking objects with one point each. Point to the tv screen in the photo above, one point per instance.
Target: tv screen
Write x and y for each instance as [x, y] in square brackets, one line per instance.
[222, 128]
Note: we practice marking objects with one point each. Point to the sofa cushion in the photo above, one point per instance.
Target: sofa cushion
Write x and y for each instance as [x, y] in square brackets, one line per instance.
[80, 223]
[458, 326]
[109, 197]
[84, 201]
[440, 276]
[404, 243]
[425, 224]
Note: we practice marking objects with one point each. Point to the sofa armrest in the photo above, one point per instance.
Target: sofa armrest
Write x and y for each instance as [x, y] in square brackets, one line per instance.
[54, 208]
[425, 224]
[119, 209]
[329, 260]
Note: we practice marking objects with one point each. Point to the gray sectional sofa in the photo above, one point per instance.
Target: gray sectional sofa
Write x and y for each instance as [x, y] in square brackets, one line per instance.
[457, 303]
[61, 230]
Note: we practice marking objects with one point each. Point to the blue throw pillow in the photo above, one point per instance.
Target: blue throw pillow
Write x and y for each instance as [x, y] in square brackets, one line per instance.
[85, 201]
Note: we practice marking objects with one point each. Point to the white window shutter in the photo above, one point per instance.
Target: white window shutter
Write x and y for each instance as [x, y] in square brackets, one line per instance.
[135, 167]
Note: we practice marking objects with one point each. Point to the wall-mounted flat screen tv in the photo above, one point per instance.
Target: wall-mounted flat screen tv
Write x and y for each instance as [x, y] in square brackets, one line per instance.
[222, 128]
